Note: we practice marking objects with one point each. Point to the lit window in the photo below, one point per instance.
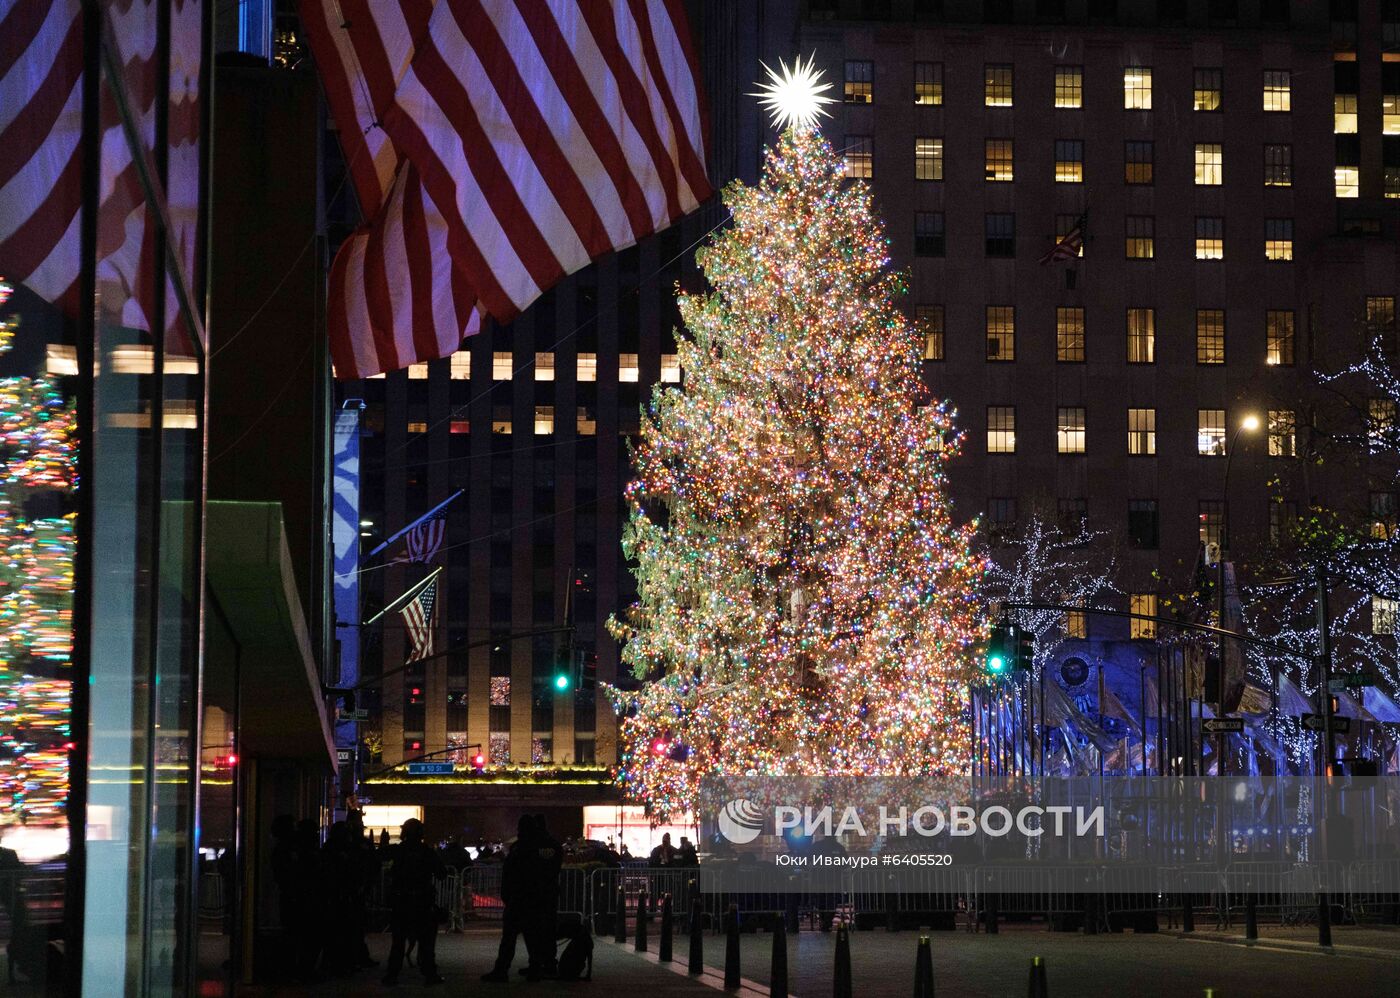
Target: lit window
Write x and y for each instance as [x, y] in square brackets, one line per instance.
[544, 419]
[498, 694]
[417, 427]
[1346, 85]
[928, 83]
[860, 157]
[928, 320]
[1209, 166]
[1069, 86]
[461, 366]
[1064, 225]
[417, 372]
[1139, 239]
[1210, 432]
[1069, 161]
[1278, 239]
[860, 82]
[501, 421]
[1380, 320]
[1211, 513]
[1380, 424]
[1383, 614]
[1210, 238]
[1278, 90]
[1383, 515]
[1348, 181]
[1283, 518]
[544, 367]
[1137, 88]
[627, 368]
[1142, 523]
[998, 85]
[1278, 165]
[1283, 433]
[1069, 436]
[1001, 234]
[928, 233]
[1075, 624]
[999, 160]
[459, 426]
[1278, 337]
[1210, 336]
[502, 365]
[1142, 432]
[1145, 605]
[1142, 335]
[587, 422]
[1390, 166]
[60, 359]
[1001, 429]
[1137, 162]
[670, 369]
[1069, 335]
[1001, 332]
[588, 367]
[1205, 96]
[1390, 98]
[928, 159]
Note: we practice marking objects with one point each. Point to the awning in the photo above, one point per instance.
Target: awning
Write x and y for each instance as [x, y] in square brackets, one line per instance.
[282, 712]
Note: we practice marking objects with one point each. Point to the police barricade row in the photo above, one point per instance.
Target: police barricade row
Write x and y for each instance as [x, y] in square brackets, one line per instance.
[1366, 899]
[1279, 891]
[913, 897]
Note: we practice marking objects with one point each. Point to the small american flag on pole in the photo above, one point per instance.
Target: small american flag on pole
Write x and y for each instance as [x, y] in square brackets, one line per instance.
[419, 616]
[425, 538]
[1067, 247]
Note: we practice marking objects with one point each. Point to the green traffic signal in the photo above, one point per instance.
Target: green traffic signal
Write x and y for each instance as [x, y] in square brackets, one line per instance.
[561, 682]
[996, 663]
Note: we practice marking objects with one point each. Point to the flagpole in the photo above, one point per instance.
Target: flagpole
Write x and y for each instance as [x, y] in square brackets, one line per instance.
[415, 523]
[404, 599]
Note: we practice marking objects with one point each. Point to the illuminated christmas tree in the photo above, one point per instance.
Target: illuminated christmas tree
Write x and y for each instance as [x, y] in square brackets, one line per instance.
[806, 605]
[37, 540]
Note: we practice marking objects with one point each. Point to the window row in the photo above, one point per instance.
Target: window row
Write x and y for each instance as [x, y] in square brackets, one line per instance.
[1142, 521]
[503, 367]
[999, 324]
[1212, 434]
[1275, 88]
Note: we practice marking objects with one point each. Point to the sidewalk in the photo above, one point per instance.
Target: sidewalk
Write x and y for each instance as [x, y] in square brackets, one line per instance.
[1375, 943]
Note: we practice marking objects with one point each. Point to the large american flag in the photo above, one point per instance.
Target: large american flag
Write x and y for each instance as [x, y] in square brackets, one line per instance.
[419, 618]
[496, 146]
[425, 538]
[1067, 247]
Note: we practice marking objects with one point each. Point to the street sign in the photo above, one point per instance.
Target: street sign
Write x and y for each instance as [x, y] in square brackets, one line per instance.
[344, 756]
[1221, 725]
[1315, 722]
[1352, 681]
[359, 714]
[430, 769]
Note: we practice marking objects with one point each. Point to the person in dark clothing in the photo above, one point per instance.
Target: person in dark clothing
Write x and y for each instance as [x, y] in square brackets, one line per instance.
[665, 853]
[544, 898]
[413, 902]
[516, 870]
[686, 854]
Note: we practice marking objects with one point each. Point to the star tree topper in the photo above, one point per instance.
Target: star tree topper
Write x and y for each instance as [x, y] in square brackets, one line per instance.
[794, 97]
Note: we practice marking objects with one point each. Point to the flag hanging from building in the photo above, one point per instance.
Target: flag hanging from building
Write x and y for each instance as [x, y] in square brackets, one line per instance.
[1068, 245]
[497, 146]
[425, 538]
[419, 617]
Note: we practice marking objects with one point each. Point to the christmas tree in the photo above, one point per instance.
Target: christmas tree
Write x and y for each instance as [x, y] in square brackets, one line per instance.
[806, 605]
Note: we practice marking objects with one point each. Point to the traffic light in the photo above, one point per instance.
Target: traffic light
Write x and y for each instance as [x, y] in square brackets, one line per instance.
[562, 681]
[999, 651]
[1025, 649]
[478, 762]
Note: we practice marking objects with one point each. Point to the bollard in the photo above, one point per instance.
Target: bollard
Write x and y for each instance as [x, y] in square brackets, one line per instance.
[1251, 917]
[1091, 914]
[778, 970]
[991, 914]
[1324, 920]
[668, 928]
[790, 913]
[620, 929]
[1210, 992]
[697, 939]
[923, 970]
[641, 944]
[1188, 914]
[1037, 987]
[731, 947]
[891, 912]
[842, 987]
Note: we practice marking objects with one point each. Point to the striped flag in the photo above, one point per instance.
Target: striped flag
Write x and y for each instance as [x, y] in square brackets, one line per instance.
[425, 538]
[497, 146]
[419, 618]
[1068, 245]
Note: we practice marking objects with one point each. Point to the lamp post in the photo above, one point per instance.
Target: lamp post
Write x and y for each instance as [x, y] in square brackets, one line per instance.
[1249, 423]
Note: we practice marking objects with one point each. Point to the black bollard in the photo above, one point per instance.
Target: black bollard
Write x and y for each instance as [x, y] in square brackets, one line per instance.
[842, 988]
[1251, 916]
[663, 948]
[923, 970]
[620, 929]
[990, 914]
[1324, 920]
[1188, 913]
[641, 939]
[790, 912]
[891, 911]
[1037, 987]
[778, 971]
[697, 938]
[731, 947]
[1091, 914]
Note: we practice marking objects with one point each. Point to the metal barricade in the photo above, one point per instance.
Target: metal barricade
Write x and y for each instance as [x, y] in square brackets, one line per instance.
[1280, 891]
[1366, 896]
[481, 892]
[449, 897]
[912, 897]
[1035, 891]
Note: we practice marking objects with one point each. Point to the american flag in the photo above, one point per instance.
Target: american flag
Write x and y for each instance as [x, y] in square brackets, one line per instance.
[419, 617]
[497, 146]
[425, 538]
[1069, 245]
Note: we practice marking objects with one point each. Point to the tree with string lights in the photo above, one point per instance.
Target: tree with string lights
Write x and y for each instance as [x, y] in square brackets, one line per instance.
[806, 604]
